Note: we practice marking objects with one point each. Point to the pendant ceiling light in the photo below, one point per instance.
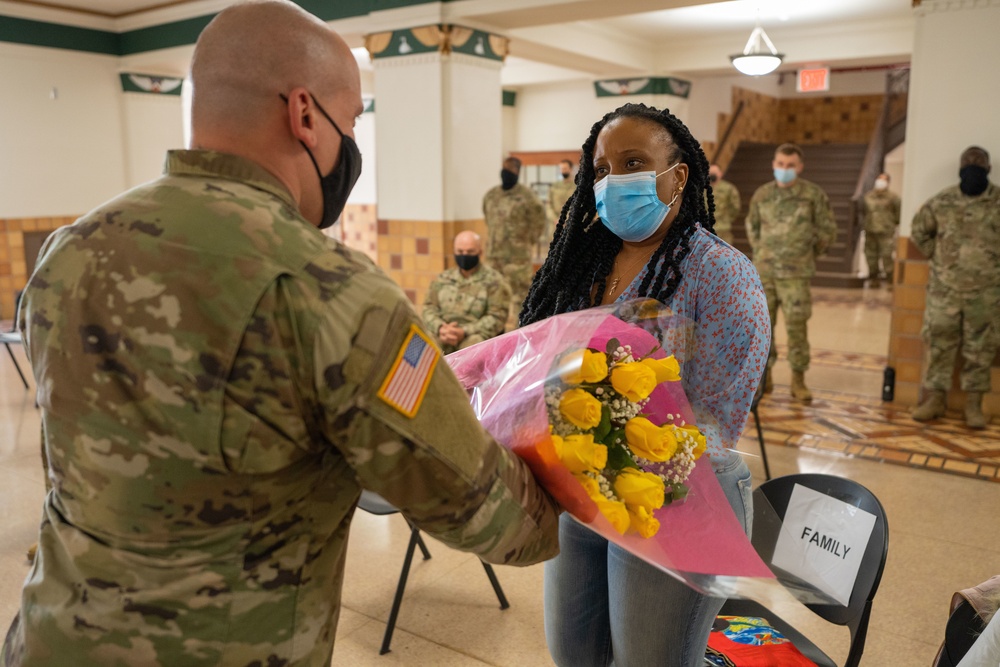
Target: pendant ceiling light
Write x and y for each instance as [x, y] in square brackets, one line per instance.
[756, 59]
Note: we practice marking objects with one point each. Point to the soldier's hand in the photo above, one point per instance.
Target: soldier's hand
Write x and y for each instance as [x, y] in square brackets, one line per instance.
[458, 332]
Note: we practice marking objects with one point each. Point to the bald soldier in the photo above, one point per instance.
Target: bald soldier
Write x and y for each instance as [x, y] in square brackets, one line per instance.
[468, 303]
[218, 380]
[958, 229]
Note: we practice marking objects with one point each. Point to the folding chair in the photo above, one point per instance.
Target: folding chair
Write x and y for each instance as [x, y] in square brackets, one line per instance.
[379, 506]
[760, 433]
[13, 337]
[775, 494]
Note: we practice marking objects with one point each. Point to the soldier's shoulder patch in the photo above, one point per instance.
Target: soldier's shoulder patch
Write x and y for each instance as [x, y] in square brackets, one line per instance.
[405, 385]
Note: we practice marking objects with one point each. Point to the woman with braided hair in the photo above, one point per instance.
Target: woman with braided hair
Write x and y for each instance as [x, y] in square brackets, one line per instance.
[637, 226]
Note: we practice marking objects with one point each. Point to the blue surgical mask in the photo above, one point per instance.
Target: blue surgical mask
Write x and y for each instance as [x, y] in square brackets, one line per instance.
[785, 176]
[628, 204]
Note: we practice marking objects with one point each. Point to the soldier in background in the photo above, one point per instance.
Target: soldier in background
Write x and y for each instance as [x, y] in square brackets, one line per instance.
[559, 194]
[727, 204]
[469, 303]
[958, 229]
[880, 210]
[514, 219]
[789, 224]
[218, 380]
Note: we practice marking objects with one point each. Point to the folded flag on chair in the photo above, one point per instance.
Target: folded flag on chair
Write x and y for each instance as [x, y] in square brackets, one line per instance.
[750, 641]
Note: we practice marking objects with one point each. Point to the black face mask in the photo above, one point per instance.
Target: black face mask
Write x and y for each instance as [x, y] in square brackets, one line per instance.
[508, 179]
[974, 181]
[567, 174]
[337, 185]
[467, 262]
[712, 178]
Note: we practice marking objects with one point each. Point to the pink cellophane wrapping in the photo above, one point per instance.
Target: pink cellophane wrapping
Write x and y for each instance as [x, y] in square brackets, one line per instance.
[700, 541]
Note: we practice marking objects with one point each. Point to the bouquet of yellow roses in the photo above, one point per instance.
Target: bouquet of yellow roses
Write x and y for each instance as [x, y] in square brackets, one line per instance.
[627, 464]
[594, 402]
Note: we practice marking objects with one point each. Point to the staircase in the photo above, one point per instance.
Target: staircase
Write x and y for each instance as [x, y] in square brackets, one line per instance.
[833, 167]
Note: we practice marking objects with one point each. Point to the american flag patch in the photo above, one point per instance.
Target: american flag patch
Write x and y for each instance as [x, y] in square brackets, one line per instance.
[406, 384]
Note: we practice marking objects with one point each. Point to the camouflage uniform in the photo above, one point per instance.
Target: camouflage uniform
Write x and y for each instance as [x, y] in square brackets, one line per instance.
[514, 219]
[478, 304]
[559, 194]
[961, 237]
[209, 368]
[788, 228]
[881, 216]
[727, 208]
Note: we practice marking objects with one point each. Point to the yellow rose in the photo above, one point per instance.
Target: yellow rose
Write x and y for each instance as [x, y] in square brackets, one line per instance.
[666, 370]
[584, 366]
[581, 454]
[643, 522]
[634, 381]
[615, 512]
[580, 408]
[557, 444]
[590, 485]
[638, 488]
[651, 442]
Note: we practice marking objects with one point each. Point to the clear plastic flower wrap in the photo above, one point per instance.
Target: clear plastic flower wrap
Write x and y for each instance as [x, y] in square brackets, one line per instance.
[572, 395]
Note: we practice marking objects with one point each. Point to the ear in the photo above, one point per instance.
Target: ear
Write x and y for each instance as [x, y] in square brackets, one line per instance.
[302, 117]
[682, 176]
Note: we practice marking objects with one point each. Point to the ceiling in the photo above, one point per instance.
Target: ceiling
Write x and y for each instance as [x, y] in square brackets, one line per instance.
[601, 39]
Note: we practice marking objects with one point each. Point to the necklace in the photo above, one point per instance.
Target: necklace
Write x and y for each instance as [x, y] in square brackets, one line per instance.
[614, 283]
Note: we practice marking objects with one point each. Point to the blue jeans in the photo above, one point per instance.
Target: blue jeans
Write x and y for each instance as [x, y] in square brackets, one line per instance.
[604, 606]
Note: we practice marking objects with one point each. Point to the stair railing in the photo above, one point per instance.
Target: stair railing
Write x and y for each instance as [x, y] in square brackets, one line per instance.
[896, 84]
[727, 132]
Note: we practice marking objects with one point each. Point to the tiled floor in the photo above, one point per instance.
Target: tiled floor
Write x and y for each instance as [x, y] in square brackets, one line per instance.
[943, 527]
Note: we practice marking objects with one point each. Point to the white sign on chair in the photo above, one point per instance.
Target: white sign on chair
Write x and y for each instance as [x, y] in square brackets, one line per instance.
[823, 541]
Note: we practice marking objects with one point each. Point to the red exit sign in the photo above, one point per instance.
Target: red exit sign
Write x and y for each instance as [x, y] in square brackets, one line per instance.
[813, 80]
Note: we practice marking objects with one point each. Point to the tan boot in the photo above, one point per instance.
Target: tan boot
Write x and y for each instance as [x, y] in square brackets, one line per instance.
[932, 407]
[974, 417]
[768, 382]
[800, 392]
[32, 550]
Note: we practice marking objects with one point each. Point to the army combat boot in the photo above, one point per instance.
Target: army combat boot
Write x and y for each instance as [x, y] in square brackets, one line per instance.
[800, 392]
[932, 407]
[974, 417]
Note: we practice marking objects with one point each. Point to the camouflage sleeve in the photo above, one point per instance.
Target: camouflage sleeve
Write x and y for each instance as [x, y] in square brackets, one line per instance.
[753, 220]
[826, 224]
[734, 203]
[865, 211]
[550, 206]
[924, 231]
[897, 205]
[492, 323]
[423, 448]
[535, 217]
[431, 313]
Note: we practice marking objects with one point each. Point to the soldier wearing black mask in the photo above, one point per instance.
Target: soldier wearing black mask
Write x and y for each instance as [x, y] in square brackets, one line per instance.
[958, 229]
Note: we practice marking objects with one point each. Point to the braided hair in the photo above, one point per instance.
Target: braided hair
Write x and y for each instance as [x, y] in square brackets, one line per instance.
[583, 250]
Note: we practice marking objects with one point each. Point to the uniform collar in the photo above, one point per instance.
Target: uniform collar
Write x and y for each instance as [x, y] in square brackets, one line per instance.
[229, 167]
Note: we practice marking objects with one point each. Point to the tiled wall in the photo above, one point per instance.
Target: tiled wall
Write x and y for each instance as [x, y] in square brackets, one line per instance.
[13, 266]
[906, 348]
[358, 229]
[414, 252]
[811, 120]
[829, 120]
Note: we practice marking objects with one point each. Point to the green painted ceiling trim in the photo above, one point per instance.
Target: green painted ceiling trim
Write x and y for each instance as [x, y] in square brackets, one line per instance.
[478, 45]
[58, 36]
[509, 98]
[167, 35]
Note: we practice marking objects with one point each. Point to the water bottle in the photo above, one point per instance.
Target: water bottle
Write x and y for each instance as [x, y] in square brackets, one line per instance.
[889, 384]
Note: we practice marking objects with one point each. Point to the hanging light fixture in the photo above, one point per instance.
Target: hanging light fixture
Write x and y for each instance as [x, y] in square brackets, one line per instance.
[755, 59]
